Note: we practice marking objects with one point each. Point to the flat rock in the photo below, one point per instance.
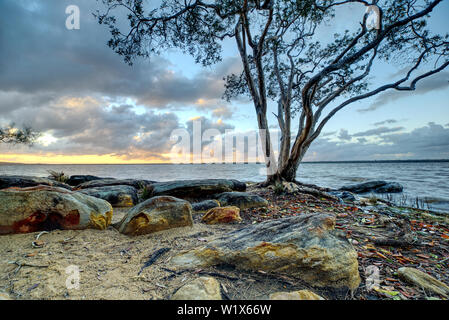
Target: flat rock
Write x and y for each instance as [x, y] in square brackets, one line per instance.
[296, 295]
[76, 180]
[305, 246]
[374, 186]
[28, 181]
[157, 214]
[117, 196]
[195, 188]
[423, 280]
[40, 208]
[204, 206]
[243, 200]
[222, 215]
[138, 184]
[203, 288]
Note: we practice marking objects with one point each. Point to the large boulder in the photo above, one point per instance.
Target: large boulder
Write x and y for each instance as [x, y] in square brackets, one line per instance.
[76, 180]
[374, 186]
[156, 214]
[222, 215]
[138, 184]
[46, 208]
[203, 288]
[243, 200]
[195, 188]
[305, 246]
[28, 181]
[117, 196]
[204, 206]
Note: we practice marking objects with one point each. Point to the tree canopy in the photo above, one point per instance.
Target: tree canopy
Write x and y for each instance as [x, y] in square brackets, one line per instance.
[282, 59]
[13, 135]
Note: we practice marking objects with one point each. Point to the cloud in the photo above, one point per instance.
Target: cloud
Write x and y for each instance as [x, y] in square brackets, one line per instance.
[428, 142]
[344, 135]
[439, 81]
[43, 58]
[377, 131]
[388, 121]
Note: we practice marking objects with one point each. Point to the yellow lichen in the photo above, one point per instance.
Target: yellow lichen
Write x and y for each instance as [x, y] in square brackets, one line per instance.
[100, 221]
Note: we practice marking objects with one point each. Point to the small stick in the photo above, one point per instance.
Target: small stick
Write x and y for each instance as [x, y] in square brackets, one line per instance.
[152, 259]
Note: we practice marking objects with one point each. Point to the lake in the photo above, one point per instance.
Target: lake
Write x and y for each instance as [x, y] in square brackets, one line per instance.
[424, 180]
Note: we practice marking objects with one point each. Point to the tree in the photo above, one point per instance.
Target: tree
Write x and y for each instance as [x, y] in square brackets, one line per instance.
[282, 61]
[13, 135]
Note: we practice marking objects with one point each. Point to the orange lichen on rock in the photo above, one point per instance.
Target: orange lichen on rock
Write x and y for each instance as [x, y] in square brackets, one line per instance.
[222, 215]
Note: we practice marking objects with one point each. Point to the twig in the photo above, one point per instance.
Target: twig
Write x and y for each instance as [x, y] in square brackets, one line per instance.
[152, 259]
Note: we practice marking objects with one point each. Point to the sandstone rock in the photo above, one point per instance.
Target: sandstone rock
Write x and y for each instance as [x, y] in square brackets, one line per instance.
[46, 208]
[195, 188]
[4, 296]
[222, 215]
[117, 196]
[374, 186]
[79, 179]
[305, 246]
[204, 206]
[295, 295]
[156, 214]
[203, 288]
[423, 280]
[26, 181]
[242, 200]
[115, 182]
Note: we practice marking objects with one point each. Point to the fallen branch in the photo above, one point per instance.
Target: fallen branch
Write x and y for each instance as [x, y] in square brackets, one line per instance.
[152, 259]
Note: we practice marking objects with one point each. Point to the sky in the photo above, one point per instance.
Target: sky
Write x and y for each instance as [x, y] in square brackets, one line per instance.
[91, 107]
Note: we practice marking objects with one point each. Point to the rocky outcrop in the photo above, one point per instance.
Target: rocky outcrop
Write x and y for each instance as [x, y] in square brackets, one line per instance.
[204, 206]
[195, 188]
[295, 295]
[305, 246]
[203, 288]
[344, 195]
[222, 215]
[423, 280]
[26, 181]
[138, 184]
[79, 179]
[374, 186]
[117, 196]
[156, 214]
[46, 208]
[242, 200]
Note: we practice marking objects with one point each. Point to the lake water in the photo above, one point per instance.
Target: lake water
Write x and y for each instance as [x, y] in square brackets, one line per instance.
[425, 180]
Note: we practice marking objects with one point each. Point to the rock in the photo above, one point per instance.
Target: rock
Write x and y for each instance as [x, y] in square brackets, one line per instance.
[222, 215]
[203, 288]
[423, 280]
[295, 295]
[79, 179]
[27, 181]
[194, 188]
[157, 214]
[39, 208]
[117, 196]
[242, 200]
[204, 206]
[290, 187]
[374, 186]
[344, 195]
[138, 184]
[4, 296]
[305, 246]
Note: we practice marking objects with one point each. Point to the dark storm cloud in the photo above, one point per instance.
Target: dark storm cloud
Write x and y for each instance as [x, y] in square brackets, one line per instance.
[40, 56]
[428, 142]
[436, 82]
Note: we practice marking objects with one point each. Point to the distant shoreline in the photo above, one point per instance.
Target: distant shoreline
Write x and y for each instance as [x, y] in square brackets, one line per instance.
[145, 164]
